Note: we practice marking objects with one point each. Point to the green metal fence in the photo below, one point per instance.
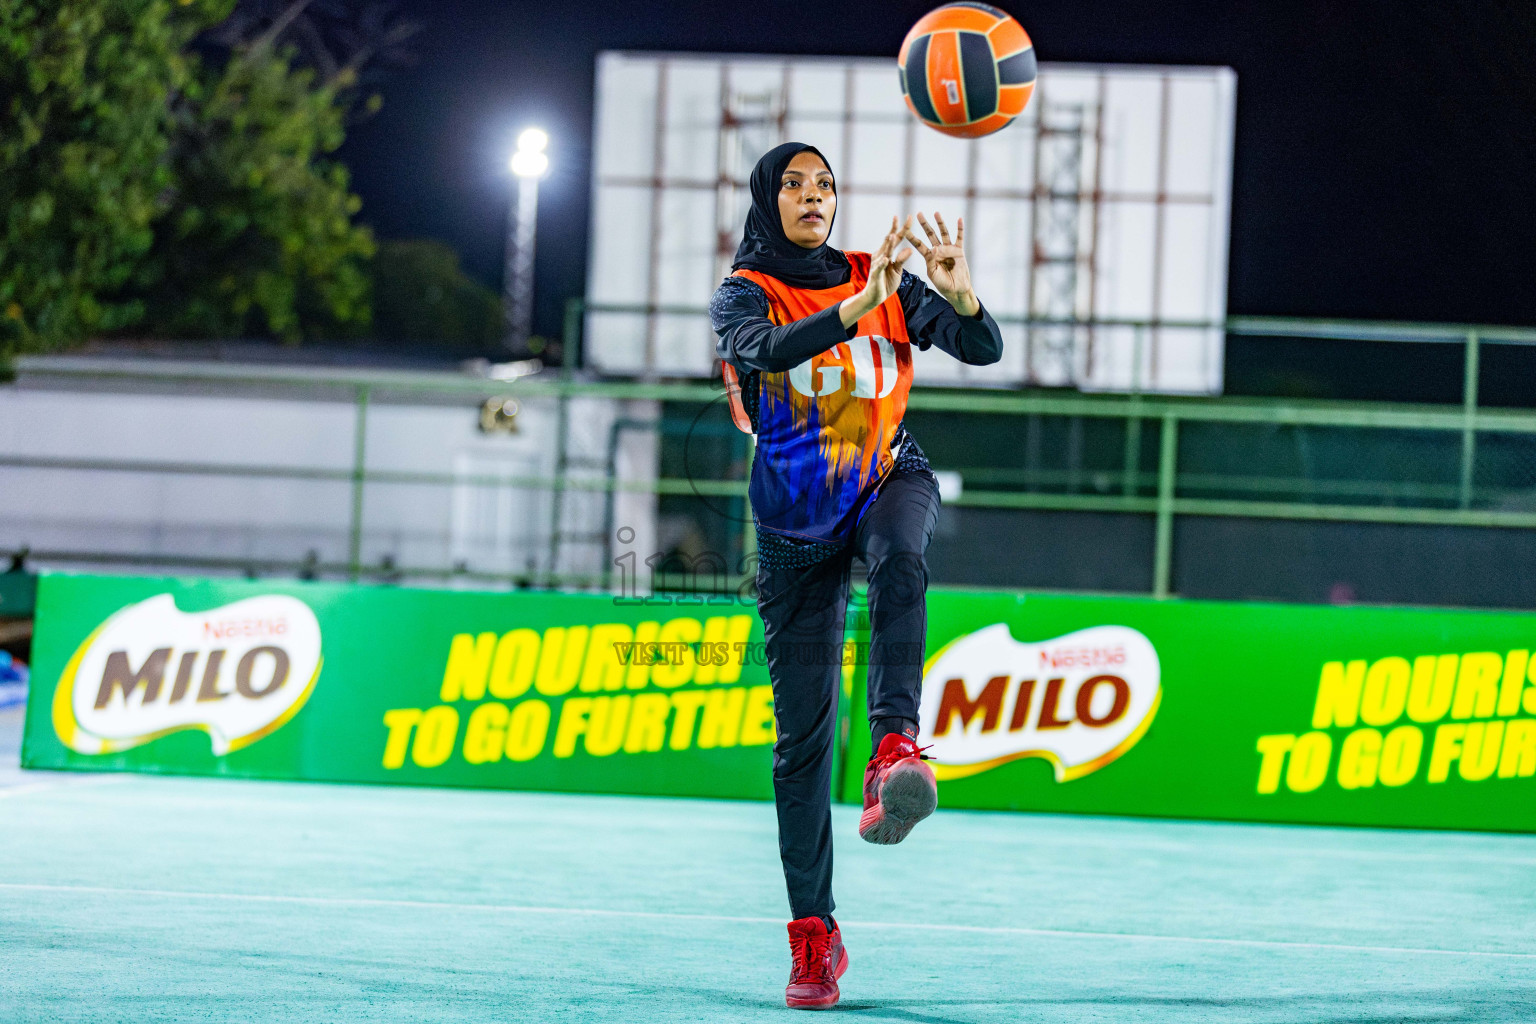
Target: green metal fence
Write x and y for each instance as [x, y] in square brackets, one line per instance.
[1139, 454]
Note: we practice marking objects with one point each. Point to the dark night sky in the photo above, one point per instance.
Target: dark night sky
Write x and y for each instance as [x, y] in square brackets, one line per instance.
[1386, 149]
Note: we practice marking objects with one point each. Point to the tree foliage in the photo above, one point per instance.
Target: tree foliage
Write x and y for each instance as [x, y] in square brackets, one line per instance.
[256, 236]
[152, 185]
[356, 42]
[422, 295]
[83, 142]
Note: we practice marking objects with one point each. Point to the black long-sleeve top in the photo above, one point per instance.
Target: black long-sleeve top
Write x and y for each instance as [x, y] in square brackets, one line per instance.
[749, 341]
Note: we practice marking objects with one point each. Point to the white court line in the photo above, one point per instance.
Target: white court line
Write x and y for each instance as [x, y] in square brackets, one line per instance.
[509, 908]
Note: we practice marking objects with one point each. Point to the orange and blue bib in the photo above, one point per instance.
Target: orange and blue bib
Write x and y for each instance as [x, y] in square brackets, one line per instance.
[825, 427]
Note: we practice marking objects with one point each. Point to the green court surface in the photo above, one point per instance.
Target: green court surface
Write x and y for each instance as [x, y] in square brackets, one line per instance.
[131, 898]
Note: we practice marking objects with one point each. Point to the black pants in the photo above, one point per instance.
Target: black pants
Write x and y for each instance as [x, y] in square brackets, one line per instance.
[802, 612]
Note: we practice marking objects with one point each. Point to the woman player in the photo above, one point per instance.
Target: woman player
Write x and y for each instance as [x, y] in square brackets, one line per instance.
[815, 346]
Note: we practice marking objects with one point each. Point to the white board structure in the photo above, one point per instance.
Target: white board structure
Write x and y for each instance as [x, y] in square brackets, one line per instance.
[1105, 205]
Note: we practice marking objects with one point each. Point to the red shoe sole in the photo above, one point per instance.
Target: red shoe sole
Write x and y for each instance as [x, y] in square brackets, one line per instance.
[825, 1002]
[907, 796]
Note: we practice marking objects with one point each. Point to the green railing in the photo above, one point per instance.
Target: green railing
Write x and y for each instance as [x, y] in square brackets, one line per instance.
[1395, 501]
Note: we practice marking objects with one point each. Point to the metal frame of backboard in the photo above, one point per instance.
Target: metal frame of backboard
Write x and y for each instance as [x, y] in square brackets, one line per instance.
[1097, 222]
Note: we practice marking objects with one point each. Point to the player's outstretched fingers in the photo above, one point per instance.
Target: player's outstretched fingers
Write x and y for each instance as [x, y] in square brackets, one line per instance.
[943, 228]
[959, 232]
[888, 243]
[933, 238]
[902, 256]
[917, 243]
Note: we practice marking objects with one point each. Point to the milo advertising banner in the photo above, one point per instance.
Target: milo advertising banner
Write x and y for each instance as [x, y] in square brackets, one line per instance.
[375, 684]
[1346, 715]
[1363, 716]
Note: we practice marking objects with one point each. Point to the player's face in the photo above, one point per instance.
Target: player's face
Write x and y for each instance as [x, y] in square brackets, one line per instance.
[807, 200]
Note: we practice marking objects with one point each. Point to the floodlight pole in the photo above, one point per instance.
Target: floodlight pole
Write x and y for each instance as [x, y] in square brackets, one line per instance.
[517, 275]
[528, 164]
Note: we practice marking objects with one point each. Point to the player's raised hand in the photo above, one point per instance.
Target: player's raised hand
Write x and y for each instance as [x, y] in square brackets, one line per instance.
[884, 274]
[885, 263]
[948, 271]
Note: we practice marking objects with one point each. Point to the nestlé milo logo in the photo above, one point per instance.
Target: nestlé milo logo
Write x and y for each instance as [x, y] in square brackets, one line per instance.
[1079, 701]
[237, 673]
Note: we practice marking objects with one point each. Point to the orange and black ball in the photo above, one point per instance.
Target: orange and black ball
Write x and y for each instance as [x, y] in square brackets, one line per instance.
[967, 69]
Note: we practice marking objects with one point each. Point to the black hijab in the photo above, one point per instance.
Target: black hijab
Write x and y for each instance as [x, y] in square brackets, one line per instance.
[764, 246]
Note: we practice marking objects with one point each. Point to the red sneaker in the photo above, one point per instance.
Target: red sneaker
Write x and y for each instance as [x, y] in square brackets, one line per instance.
[818, 960]
[899, 791]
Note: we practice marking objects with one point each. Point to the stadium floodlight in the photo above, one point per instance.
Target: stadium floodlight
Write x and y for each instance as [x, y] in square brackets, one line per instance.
[533, 140]
[530, 160]
[528, 165]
